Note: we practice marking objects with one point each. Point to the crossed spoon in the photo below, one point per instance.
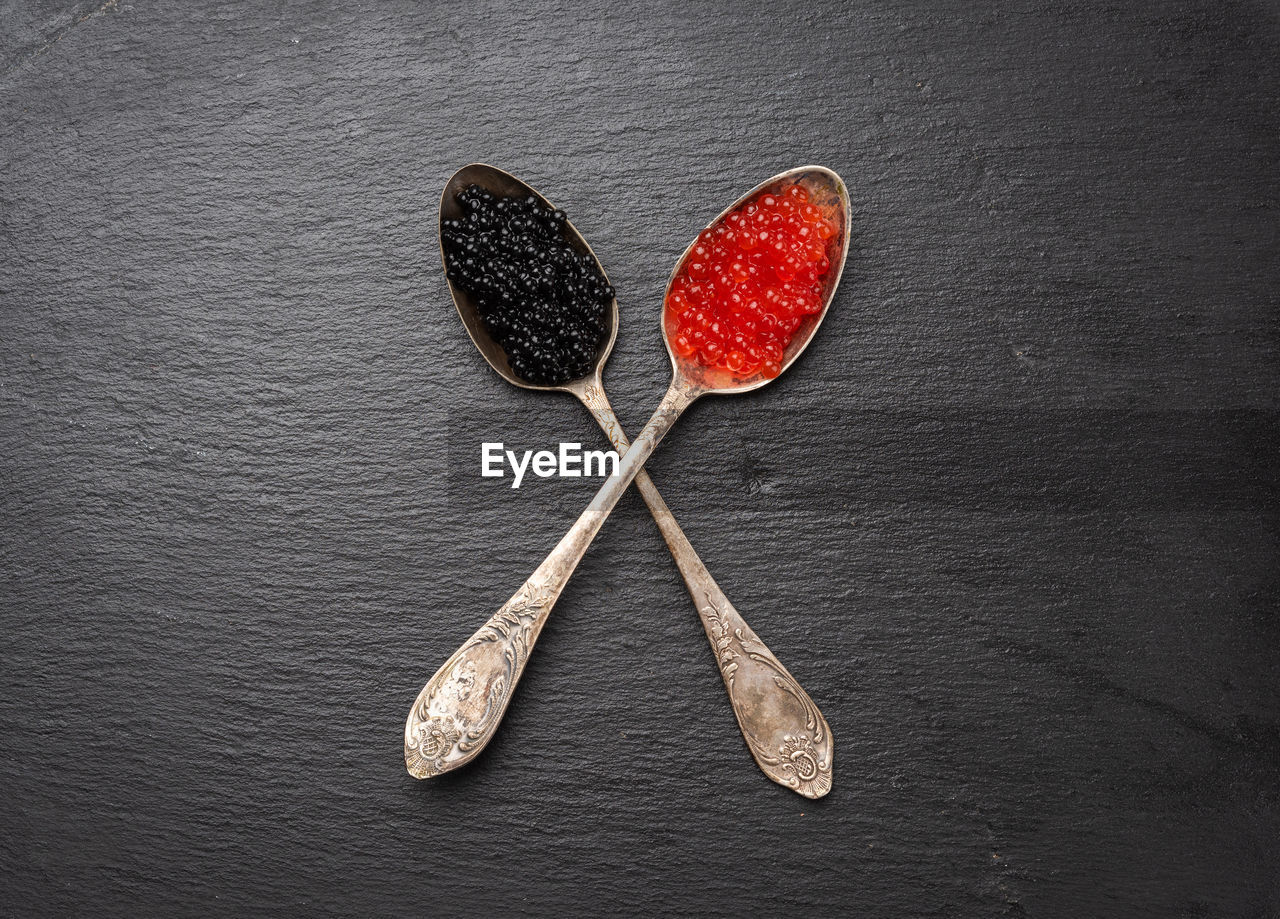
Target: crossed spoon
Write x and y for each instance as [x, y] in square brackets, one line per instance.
[458, 711]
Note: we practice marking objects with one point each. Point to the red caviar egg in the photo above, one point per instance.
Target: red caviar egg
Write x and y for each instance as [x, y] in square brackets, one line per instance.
[749, 282]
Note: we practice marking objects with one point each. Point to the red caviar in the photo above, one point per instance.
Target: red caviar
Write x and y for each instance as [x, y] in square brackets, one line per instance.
[749, 282]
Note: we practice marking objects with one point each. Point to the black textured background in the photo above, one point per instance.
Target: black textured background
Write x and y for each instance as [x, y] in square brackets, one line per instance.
[1013, 520]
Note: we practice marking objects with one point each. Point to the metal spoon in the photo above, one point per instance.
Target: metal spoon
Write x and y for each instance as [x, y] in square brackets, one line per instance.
[459, 709]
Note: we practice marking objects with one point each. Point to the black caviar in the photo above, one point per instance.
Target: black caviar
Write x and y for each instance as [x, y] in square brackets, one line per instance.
[544, 303]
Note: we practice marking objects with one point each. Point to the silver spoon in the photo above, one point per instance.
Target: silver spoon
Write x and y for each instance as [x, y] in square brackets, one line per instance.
[459, 709]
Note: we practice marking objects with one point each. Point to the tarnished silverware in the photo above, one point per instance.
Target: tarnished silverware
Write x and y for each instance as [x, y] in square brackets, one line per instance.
[459, 709]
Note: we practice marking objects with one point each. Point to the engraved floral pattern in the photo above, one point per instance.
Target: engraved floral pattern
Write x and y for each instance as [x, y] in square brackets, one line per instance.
[594, 398]
[801, 758]
[431, 743]
[437, 737]
[803, 764]
[722, 640]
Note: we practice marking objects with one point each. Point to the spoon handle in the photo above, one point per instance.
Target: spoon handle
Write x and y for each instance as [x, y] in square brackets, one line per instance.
[459, 709]
[784, 729]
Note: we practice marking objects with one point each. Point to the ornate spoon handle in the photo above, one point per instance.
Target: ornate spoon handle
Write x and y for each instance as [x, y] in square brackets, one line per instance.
[784, 729]
[459, 709]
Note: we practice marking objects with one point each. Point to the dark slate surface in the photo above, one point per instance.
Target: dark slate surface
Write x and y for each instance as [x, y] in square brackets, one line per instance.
[1014, 520]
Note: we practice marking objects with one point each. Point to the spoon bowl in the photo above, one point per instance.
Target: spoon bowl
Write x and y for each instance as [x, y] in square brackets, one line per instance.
[504, 185]
[827, 190]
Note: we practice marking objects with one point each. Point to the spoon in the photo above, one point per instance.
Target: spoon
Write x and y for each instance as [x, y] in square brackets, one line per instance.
[457, 712]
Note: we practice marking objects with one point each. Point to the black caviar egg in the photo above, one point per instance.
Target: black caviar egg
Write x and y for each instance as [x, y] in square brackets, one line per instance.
[543, 302]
